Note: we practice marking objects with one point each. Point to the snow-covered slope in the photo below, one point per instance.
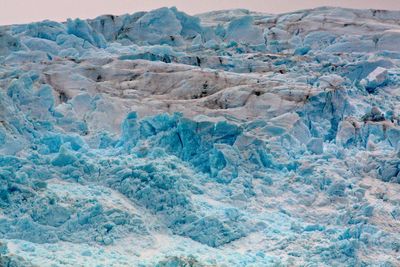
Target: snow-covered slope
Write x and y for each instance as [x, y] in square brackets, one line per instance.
[231, 138]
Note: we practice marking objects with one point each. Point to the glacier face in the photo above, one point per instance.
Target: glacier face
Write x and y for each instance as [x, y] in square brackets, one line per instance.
[231, 138]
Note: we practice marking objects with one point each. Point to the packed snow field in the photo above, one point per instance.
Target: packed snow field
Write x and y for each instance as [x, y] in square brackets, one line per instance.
[230, 138]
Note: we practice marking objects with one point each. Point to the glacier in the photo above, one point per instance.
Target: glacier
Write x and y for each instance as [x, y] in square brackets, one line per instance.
[229, 138]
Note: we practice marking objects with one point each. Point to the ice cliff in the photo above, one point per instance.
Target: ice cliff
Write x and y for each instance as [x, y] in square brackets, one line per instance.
[230, 138]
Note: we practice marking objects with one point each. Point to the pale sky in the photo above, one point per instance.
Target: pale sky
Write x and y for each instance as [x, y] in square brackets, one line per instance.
[23, 11]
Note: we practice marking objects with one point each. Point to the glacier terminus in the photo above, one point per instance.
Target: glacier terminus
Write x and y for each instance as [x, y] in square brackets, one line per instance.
[229, 138]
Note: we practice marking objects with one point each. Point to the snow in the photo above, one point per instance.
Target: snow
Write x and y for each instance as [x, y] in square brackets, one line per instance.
[230, 138]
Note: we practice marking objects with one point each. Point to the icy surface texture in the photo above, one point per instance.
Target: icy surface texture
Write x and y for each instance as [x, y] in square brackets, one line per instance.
[231, 138]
